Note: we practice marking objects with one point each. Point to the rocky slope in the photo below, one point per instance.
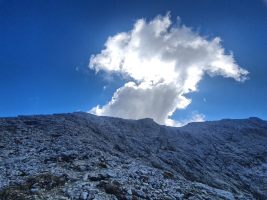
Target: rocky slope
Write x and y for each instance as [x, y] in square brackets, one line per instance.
[82, 156]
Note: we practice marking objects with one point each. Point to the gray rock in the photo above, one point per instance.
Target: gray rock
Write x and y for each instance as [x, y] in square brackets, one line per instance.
[82, 156]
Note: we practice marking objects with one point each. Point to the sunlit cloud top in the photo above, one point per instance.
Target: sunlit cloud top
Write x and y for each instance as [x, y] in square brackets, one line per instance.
[164, 61]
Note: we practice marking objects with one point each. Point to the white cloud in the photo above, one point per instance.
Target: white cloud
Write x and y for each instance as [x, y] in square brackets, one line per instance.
[164, 62]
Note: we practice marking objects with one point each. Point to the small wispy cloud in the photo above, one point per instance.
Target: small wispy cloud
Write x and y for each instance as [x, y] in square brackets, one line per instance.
[164, 63]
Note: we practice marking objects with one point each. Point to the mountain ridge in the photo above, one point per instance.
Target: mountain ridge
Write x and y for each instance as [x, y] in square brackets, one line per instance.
[131, 159]
[252, 118]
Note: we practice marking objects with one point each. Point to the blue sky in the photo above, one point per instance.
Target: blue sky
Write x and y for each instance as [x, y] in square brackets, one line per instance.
[45, 47]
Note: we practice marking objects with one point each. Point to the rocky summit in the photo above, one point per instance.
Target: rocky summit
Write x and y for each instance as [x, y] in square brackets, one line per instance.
[82, 156]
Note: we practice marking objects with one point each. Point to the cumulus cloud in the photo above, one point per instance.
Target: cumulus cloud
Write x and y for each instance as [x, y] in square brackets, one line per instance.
[163, 62]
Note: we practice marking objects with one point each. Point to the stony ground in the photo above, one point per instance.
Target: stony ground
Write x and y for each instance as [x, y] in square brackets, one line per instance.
[82, 156]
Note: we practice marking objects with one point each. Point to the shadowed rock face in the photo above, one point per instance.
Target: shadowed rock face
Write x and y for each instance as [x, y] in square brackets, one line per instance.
[82, 156]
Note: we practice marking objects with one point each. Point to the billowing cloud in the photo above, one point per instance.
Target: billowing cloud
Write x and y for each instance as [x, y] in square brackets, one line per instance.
[162, 62]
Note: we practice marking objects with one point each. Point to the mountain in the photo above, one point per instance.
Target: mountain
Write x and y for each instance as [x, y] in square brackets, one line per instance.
[82, 156]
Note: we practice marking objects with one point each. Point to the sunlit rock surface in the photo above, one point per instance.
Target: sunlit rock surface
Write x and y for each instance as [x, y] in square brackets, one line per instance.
[82, 156]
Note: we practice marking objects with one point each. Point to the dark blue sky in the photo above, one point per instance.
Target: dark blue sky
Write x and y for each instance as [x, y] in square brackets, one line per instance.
[45, 48]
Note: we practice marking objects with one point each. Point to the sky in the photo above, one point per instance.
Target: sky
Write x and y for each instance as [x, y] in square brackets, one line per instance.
[173, 61]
